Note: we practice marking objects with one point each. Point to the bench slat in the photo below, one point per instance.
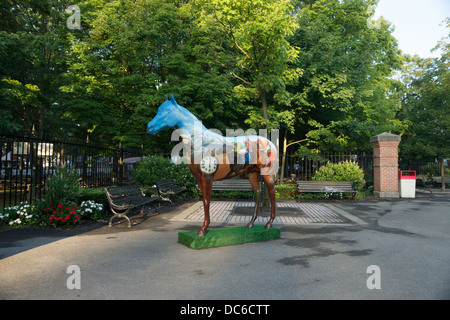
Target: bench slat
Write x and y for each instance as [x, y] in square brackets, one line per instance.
[232, 184]
[320, 187]
[126, 190]
[231, 187]
[135, 201]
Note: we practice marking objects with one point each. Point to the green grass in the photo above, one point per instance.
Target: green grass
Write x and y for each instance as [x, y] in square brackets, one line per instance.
[227, 236]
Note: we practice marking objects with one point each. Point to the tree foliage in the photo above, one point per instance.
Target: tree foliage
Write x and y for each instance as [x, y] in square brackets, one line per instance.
[253, 48]
[345, 95]
[315, 69]
[425, 106]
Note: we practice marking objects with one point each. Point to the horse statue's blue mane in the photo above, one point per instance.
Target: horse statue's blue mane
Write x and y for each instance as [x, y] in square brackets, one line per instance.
[171, 114]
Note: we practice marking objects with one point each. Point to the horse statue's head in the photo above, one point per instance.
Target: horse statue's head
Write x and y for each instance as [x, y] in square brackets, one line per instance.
[169, 114]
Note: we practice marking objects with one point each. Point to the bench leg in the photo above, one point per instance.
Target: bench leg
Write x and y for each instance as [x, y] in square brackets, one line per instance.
[166, 199]
[120, 215]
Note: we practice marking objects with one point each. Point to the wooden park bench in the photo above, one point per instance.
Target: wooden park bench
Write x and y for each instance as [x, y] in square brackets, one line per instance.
[325, 187]
[168, 188]
[123, 199]
[232, 185]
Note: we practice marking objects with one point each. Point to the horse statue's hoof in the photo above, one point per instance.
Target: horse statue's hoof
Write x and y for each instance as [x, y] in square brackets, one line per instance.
[268, 226]
[201, 233]
[250, 225]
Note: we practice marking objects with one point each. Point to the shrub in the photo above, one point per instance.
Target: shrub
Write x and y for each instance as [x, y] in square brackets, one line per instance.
[155, 168]
[286, 191]
[62, 188]
[342, 171]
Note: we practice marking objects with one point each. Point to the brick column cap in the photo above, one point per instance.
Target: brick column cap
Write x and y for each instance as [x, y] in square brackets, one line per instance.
[385, 137]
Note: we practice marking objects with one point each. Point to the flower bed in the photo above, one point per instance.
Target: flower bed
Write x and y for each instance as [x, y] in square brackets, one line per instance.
[62, 215]
[22, 214]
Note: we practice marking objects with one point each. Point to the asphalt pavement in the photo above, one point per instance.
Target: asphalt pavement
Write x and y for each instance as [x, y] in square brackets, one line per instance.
[399, 252]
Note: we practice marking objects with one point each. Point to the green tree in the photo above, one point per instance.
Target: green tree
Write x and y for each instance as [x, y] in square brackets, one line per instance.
[33, 42]
[345, 94]
[425, 107]
[251, 44]
[134, 54]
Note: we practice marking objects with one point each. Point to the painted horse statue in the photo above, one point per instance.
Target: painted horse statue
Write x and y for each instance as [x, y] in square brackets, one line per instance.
[212, 157]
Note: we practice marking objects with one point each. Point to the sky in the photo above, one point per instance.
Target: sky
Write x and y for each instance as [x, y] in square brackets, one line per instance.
[417, 23]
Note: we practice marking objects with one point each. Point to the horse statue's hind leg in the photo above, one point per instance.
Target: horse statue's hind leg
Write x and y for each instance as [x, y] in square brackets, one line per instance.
[253, 177]
[268, 179]
[254, 180]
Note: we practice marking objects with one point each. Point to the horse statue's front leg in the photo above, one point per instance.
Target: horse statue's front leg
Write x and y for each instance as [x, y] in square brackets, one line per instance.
[205, 185]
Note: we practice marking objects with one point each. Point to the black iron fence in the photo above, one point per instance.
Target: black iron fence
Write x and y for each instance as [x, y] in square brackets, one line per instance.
[431, 168]
[28, 162]
[304, 167]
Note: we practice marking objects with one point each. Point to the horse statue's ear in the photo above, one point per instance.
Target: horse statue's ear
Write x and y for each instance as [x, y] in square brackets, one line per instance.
[173, 99]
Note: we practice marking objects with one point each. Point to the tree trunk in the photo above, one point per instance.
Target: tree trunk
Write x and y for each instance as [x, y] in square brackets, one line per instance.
[442, 174]
[262, 95]
[41, 121]
[283, 159]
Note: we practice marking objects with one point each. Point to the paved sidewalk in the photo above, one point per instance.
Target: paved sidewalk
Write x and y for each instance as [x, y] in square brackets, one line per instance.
[407, 239]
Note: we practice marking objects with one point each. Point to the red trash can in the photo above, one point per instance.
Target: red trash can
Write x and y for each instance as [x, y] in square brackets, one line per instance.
[407, 183]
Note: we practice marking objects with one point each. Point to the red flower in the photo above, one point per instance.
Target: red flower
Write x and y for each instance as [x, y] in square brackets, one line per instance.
[63, 214]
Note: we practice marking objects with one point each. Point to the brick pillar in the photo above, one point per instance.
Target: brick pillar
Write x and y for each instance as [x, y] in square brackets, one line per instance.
[385, 165]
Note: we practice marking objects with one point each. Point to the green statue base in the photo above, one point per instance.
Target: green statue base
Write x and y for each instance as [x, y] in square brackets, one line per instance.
[227, 236]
